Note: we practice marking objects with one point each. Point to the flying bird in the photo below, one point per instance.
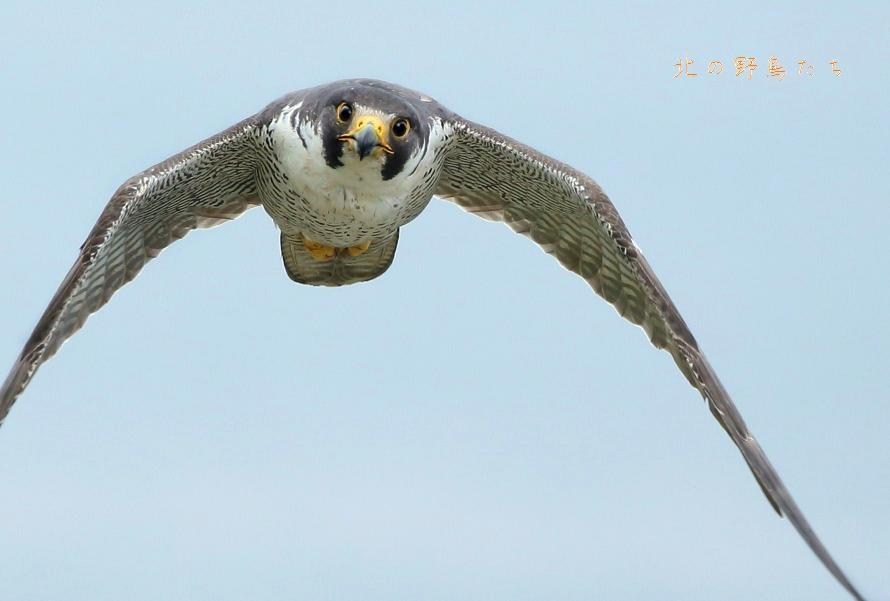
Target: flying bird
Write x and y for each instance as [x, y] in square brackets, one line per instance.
[340, 168]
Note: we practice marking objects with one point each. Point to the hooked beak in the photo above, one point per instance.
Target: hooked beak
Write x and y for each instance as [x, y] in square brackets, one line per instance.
[366, 140]
[368, 134]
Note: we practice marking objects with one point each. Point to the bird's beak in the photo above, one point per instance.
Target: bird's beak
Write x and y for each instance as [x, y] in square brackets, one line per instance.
[368, 133]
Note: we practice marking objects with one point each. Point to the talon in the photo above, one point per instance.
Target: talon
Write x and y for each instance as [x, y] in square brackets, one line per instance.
[358, 249]
[319, 252]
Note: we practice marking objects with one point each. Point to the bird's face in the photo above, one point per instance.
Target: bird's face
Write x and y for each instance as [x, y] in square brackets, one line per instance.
[362, 126]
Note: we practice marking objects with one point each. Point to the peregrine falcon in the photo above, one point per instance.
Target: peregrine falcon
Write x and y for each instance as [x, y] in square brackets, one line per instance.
[340, 168]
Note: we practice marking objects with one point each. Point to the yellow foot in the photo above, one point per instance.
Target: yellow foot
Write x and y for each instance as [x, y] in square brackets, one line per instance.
[358, 249]
[319, 252]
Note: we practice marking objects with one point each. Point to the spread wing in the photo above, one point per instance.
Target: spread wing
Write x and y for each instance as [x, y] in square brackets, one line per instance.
[200, 187]
[570, 217]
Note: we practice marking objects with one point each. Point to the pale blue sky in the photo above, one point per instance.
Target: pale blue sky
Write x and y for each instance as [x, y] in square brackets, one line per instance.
[476, 424]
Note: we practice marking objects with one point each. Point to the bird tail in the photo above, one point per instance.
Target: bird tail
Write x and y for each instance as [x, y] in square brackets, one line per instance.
[342, 268]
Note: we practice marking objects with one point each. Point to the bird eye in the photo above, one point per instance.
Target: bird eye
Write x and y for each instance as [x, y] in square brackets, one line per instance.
[344, 112]
[401, 127]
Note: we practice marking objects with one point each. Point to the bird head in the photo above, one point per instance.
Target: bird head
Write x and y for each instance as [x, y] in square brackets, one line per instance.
[367, 122]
